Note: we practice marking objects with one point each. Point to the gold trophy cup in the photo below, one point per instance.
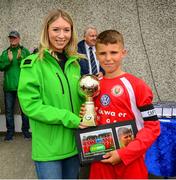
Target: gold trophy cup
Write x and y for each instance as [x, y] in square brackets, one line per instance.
[90, 87]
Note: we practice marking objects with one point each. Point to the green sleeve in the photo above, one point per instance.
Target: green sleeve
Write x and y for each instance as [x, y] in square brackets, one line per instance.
[29, 93]
[4, 61]
[24, 54]
[27, 53]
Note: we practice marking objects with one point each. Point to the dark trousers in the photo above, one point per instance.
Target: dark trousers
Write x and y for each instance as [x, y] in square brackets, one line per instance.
[84, 171]
[10, 99]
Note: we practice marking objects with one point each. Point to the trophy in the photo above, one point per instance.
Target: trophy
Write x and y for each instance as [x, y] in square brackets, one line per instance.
[90, 87]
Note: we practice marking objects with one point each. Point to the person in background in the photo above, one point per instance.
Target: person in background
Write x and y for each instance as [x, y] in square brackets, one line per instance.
[124, 97]
[10, 61]
[34, 50]
[89, 65]
[51, 98]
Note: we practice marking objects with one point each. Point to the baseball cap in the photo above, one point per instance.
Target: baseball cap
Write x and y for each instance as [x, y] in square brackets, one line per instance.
[14, 34]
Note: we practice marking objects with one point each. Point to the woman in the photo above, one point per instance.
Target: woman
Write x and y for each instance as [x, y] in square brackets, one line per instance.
[49, 97]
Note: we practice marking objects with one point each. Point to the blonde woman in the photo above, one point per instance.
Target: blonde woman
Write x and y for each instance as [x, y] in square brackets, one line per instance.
[49, 97]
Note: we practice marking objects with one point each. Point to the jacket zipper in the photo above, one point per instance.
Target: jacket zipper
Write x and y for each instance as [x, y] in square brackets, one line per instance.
[69, 94]
[68, 89]
[60, 82]
[63, 87]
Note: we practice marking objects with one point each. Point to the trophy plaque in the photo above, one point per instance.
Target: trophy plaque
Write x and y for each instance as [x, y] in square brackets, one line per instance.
[94, 142]
[89, 85]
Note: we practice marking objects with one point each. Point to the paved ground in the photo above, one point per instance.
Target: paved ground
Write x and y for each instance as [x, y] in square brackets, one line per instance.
[15, 159]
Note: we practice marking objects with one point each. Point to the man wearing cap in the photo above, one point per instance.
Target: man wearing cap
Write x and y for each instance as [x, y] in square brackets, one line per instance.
[10, 60]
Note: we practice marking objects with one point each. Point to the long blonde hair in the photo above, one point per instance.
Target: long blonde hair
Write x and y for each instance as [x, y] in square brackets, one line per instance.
[71, 47]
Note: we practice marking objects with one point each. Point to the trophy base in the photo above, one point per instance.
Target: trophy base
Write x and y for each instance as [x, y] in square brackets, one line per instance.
[90, 115]
[88, 123]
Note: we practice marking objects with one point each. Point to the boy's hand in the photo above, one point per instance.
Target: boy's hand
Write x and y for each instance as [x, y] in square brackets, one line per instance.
[99, 75]
[111, 157]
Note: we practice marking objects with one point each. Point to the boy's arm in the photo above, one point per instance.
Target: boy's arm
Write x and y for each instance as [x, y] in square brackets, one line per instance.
[151, 126]
[144, 139]
[136, 148]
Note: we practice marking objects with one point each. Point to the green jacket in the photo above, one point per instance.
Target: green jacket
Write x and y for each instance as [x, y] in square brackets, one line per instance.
[51, 100]
[12, 69]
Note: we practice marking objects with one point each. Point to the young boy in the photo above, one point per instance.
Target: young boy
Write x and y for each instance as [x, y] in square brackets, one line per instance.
[125, 136]
[125, 97]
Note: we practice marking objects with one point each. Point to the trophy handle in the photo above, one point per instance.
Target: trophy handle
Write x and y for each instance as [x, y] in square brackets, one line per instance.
[89, 119]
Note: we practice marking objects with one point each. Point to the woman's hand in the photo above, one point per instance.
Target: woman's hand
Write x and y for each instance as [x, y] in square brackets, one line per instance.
[82, 111]
[112, 157]
[82, 126]
[81, 115]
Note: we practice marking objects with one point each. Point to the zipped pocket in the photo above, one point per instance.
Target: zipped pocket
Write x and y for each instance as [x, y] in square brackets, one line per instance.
[60, 83]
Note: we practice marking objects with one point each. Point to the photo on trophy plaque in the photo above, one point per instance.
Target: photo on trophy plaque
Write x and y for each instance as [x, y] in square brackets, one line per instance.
[125, 135]
[94, 142]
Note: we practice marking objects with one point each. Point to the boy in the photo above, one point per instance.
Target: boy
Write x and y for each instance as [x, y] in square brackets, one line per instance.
[125, 136]
[125, 97]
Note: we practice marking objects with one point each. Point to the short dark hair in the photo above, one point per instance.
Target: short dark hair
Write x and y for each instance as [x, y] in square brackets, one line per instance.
[110, 37]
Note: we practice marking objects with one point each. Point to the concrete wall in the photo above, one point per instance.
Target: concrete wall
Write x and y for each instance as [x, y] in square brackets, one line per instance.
[148, 26]
[18, 123]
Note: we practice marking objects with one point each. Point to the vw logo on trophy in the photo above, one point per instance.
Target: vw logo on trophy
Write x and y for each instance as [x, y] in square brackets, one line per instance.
[89, 85]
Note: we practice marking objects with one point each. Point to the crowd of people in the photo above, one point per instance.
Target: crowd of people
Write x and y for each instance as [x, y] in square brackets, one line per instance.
[46, 84]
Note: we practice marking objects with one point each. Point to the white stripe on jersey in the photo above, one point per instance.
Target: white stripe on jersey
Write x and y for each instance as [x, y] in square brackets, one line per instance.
[138, 116]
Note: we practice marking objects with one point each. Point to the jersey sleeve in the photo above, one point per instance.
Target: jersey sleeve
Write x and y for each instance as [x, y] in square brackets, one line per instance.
[29, 93]
[151, 125]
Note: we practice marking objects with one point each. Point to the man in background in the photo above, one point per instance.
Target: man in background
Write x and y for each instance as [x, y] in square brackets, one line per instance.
[90, 64]
[10, 60]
